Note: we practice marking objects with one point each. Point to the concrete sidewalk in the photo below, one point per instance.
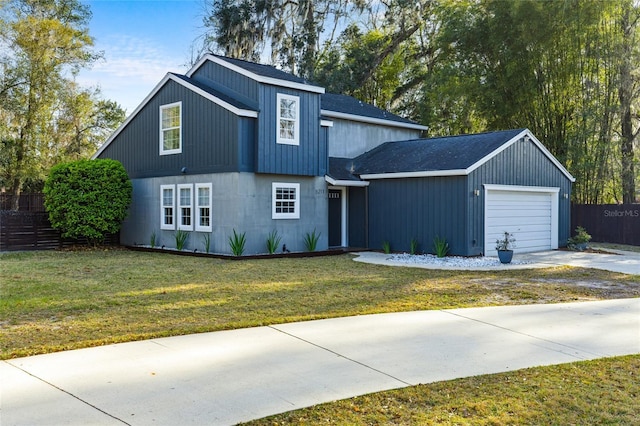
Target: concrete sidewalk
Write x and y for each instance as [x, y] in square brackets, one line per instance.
[233, 376]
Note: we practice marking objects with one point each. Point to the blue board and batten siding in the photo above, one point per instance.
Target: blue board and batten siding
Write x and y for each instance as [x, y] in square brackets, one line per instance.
[521, 164]
[214, 140]
[307, 159]
[448, 207]
[228, 80]
[417, 208]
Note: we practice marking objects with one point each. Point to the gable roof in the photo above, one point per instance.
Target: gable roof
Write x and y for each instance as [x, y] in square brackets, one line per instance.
[442, 156]
[347, 107]
[229, 103]
[258, 72]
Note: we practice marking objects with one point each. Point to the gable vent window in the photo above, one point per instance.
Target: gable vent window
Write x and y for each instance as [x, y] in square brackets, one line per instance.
[171, 128]
[285, 200]
[168, 207]
[185, 207]
[288, 119]
[203, 207]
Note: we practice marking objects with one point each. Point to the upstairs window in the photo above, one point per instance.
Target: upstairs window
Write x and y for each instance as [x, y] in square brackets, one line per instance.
[203, 207]
[167, 210]
[285, 200]
[288, 119]
[185, 207]
[171, 128]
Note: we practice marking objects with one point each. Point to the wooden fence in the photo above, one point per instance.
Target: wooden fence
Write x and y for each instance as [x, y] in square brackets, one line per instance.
[33, 231]
[29, 228]
[608, 223]
[27, 202]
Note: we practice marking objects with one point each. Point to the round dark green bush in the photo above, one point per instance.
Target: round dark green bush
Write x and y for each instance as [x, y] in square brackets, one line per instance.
[87, 198]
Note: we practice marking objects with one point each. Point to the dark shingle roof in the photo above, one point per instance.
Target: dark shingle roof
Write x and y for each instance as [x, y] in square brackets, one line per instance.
[218, 94]
[350, 105]
[433, 154]
[264, 70]
[341, 169]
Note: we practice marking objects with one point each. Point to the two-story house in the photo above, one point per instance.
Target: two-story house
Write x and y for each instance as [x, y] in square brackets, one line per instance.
[234, 145]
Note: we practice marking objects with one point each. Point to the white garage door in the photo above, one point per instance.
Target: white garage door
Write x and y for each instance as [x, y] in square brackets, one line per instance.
[529, 213]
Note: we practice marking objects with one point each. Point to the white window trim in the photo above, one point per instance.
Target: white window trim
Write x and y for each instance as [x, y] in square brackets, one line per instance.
[296, 206]
[200, 228]
[179, 216]
[163, 225]
[170, 151]
[296, 127]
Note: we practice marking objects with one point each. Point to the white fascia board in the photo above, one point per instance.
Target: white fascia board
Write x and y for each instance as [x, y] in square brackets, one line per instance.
[371, 120]
[326, 123]
[253, 76]
[167, 77]
[532, 138]
[553, 159]
[401, 175]
[338, 182]
[520, 188]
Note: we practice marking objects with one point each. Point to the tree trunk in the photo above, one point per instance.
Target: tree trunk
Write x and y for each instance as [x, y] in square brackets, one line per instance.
[625, 94]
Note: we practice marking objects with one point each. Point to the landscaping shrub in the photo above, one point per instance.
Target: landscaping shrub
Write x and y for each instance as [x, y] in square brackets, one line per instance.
[87, 198]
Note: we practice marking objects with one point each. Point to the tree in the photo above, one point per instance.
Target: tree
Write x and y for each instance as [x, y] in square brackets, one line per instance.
[43, 42]
[344, 68]
[289, 30]
[88, 198]
[557, 68]
[628, 91]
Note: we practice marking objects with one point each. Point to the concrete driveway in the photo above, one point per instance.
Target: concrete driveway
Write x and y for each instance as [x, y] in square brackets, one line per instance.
[231, 376]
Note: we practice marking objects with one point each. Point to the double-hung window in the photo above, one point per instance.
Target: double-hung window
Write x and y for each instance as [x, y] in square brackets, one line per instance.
[285, 200]
[185, 207]
[288, 127]
[167, 210]
[203, 207]
[171, 128]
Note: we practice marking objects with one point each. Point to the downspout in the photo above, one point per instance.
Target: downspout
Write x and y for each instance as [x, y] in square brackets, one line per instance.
[366, 217]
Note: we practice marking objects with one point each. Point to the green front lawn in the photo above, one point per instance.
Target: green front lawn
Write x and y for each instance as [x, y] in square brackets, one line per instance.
[600, 392]
[58, 300]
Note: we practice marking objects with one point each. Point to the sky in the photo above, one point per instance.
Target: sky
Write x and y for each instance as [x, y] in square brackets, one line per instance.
[141, 41]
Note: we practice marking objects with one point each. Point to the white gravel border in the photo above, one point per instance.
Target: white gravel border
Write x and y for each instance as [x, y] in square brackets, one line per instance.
[451, 261]
[430, 261]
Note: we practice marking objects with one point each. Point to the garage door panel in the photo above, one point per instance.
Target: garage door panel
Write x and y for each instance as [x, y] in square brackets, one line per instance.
[502, 221]
[538, 201]
[526, 215]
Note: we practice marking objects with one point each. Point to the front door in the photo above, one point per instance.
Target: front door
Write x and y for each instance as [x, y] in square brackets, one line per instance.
[335, 217]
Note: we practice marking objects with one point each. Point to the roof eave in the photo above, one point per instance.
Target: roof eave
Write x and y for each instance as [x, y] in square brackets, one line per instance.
[532, 138]
[402, 175]
[339, 182]
[371, 120]
[169, 76]
[259, 78]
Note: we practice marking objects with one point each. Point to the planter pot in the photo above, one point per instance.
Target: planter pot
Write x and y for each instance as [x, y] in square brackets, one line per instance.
[505, 256]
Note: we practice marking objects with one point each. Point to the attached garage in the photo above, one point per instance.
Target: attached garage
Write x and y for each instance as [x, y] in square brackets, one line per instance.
[530, 213]
[468, 189]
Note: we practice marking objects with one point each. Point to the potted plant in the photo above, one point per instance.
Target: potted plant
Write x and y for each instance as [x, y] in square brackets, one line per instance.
[580, 240]
[504, 247]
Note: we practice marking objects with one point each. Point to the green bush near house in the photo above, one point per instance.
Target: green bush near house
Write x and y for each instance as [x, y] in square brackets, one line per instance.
[88, 198]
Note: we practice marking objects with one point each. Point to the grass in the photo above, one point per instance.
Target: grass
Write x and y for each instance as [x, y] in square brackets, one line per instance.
[59, 300]
[604, 391]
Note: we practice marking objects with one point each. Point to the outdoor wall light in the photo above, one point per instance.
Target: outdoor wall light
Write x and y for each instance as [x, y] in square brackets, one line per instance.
[566, 195]
[183, 170]
[476, 192]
